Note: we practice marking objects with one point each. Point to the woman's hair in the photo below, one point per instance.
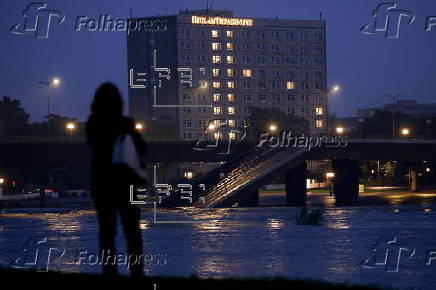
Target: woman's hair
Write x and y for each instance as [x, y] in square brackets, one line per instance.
[107, 101]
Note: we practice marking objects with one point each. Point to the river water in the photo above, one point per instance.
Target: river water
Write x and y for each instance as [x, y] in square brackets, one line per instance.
[243, 242]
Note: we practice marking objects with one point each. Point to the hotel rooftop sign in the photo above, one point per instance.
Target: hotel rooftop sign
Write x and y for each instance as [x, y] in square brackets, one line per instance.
[222, 21]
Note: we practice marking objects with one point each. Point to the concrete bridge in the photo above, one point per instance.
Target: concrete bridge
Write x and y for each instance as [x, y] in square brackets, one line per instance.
[239, 183]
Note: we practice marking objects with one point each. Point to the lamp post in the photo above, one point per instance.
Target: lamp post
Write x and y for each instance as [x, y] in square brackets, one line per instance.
[393, 112]
[330, 176]
[71, 127]
[332, 91]
[53, 83]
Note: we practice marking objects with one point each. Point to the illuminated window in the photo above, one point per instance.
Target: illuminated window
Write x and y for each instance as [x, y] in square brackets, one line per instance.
[215, 72]
[215, 33]
[216, 46]
[216, 97]
[232, 123]
[231, 85]
[216, 85]
[232, 135]
[216, 110]
[188, 174]
[231, 97]
[318, 123]
[229, 46]
[216, 59]
[230, 59]
[290, 85]
[231, 110]
[319, 111]
[230, 72]
[229, 33]
[246, 73]
[217, 135]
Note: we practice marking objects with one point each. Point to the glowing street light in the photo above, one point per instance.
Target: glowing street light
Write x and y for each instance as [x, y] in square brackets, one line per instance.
[340, 130]
[405, 131]
[330, 174]
[272, 127]
[139, 126]
[428, 169]
[2, 180]
[71, 127]
[335, 89]
[56, 82]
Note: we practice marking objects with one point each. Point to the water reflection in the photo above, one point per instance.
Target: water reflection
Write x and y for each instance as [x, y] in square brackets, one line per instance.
[252, 242]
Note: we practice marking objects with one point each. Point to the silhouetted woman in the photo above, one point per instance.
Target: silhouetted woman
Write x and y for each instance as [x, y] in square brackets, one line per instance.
[110, 183]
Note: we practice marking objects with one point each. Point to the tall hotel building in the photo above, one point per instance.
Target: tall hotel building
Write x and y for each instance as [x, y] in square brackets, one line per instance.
[207, 67]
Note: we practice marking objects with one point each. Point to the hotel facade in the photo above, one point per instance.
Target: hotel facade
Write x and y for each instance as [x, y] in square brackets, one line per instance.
[200, 70]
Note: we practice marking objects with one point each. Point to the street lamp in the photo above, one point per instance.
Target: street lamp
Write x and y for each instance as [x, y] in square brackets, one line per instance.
[55, 82]
[335, 89]
[2, 180]
[272, 128]
[330, 175]
[71, 127]
[332, 91]
[405, 131]
[340, 130]
[393, 112]
[139, 126]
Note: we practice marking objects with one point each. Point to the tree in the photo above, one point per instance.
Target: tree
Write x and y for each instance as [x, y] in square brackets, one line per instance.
[261, 119]
[57, 126]
[13, 118]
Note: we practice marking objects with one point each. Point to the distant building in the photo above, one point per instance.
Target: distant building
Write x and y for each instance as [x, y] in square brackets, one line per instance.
[236, 63]
[409, 107]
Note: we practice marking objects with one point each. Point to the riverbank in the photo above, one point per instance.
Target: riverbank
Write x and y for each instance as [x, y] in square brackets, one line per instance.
[55, 279]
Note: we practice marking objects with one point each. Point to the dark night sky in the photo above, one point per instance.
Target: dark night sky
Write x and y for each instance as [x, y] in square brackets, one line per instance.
[366, 66]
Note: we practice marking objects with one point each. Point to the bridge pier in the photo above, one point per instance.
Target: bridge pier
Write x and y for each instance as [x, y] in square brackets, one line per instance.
[295, 181]
[251, 200]
[346, 181]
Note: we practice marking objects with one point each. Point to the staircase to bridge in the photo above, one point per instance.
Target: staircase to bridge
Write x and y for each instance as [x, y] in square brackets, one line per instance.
[237, 181]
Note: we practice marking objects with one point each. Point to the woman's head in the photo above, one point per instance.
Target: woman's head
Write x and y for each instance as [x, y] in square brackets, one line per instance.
[107, 101]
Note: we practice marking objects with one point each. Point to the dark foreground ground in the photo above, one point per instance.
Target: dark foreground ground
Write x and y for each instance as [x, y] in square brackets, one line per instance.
[58, 280]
